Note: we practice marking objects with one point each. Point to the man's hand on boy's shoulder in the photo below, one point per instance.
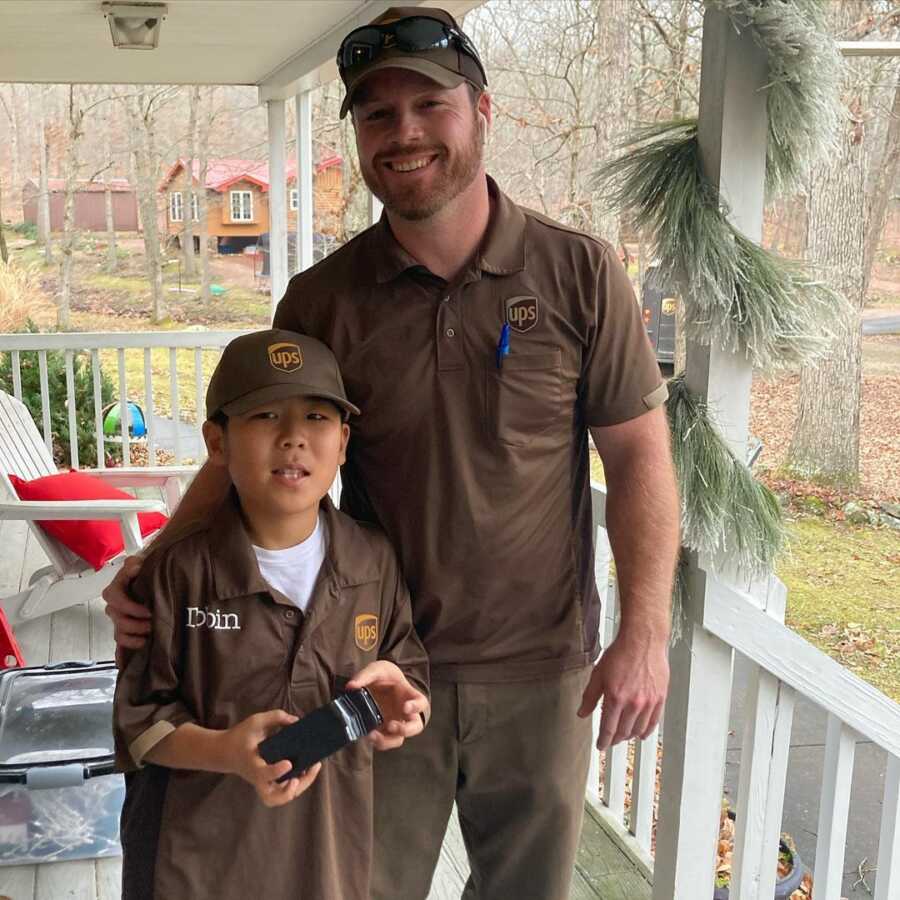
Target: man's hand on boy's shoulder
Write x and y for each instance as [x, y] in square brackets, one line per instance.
[240, 755]
[131, 620]
[402, 705]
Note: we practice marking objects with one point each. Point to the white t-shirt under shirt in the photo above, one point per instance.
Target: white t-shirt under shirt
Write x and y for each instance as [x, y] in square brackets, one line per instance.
[294, 570]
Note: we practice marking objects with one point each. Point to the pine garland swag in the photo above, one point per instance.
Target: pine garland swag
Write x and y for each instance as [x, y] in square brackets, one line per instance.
[724, 508]
[738, 295]
[803, 93]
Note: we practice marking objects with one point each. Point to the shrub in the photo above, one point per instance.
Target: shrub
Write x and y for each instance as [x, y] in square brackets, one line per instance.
[20, 297]
[26, 229]
[59, 415]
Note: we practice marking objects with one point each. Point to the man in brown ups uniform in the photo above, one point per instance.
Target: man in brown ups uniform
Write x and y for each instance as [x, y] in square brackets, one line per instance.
[486, 342]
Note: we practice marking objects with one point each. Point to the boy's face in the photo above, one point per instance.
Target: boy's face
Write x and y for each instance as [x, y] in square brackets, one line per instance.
[282, 456]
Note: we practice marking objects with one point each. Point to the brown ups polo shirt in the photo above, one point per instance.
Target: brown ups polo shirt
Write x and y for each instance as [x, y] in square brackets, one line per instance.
[224, 646]
[479, 474]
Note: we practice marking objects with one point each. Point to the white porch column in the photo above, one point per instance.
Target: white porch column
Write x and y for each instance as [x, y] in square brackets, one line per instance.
[732, 133]
[305, 208]
[375, 208]
[278, 232]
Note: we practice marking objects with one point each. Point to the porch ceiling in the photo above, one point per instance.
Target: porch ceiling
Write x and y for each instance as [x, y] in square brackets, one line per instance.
[281, 46]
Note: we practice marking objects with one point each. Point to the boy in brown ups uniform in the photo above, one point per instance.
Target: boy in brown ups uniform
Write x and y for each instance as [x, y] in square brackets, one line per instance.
[262, 612]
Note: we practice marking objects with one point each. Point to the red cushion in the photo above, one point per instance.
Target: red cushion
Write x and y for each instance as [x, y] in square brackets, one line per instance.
[96, 541]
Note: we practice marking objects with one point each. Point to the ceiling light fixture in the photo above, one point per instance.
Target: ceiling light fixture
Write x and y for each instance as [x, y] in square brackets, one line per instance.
[135, 26]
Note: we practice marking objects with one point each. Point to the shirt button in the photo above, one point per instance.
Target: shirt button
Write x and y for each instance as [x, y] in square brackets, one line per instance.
[450, 333]
[289, 614]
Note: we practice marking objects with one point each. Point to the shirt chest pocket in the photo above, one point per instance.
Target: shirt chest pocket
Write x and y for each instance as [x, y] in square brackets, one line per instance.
[524, 396]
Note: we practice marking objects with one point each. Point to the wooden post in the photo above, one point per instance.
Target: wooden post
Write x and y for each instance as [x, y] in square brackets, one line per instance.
[278, 233]
[732, 134]
[305, 197]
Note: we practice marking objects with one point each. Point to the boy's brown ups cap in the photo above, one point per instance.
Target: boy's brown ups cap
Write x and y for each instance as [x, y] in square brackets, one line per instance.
[449, 67]
[272, 365]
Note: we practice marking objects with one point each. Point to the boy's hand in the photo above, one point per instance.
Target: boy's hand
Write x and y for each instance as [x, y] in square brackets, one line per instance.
[242, 757]
[401, 704]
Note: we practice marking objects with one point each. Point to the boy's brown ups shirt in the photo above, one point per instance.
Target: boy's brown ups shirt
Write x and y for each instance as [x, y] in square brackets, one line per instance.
[479, 474]
[224, 646]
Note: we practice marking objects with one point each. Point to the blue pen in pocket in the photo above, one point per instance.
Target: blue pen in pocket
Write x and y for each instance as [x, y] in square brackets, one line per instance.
[503, 345]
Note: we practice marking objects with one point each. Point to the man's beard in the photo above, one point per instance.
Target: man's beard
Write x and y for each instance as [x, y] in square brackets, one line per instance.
[414, 204]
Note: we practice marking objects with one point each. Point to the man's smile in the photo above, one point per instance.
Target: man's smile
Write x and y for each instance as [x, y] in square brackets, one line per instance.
[409, 165]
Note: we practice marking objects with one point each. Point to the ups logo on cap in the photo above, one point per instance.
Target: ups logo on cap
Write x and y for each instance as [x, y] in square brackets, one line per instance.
[522, 313]
[285, 357]
[366, 631]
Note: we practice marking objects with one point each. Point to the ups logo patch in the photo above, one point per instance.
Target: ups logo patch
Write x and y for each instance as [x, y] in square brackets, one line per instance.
[285, 356]
[366, 631]
[522, 313]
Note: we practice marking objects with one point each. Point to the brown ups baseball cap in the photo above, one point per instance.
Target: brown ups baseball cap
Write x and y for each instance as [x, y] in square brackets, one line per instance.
[272, 365]
[448, 66]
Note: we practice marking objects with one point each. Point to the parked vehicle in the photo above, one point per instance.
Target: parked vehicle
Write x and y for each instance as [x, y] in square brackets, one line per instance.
[659, 303]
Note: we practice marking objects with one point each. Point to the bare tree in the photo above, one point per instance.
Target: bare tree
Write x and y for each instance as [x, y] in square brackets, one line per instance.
[76, 117]
[4, 252]
[112, 261]
[187, 233]
[75, 132]
[883, 176]
[43, 202]
[613, 95]
[14, 148]
[142, 108]
[825, 442]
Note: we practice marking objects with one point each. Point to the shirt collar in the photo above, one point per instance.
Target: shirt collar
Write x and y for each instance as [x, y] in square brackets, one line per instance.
[502, 251]
[235, 569]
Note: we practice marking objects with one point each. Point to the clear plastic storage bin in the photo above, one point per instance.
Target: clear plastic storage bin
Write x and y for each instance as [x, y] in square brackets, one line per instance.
[59, 795]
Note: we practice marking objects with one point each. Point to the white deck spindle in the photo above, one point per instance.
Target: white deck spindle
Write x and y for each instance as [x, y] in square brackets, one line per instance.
[71, 408]
[98, 408]
[16, 363]
[148, 407]
[45, 400]
[173, 401]
[199, 403]
[643, 788]
[887, 878]
[834, 809]
[123, 409]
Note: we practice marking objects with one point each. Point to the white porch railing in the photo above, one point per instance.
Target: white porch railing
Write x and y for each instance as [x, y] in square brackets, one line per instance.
[177, 344]
[783, 666]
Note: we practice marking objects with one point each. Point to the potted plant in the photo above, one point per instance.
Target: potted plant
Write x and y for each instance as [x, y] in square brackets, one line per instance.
[790, 867]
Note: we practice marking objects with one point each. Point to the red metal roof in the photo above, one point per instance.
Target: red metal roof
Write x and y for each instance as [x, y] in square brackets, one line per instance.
[116, 185]
[222, 173]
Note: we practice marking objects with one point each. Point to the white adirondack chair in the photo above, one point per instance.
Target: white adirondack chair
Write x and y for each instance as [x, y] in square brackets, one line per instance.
[68, 579]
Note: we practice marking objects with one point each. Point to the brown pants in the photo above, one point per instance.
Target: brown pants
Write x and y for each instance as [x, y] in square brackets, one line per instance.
[515, 758]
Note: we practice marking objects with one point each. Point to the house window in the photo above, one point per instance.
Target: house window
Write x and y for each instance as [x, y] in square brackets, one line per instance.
[241, 206]
[175, 208]
[294, 198]
[195, 208]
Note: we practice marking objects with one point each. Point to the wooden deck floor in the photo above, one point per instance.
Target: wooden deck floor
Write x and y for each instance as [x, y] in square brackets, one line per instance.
[84, 632]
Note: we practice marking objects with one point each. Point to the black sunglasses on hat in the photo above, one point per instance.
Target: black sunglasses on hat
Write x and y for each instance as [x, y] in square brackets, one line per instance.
[413, 34]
